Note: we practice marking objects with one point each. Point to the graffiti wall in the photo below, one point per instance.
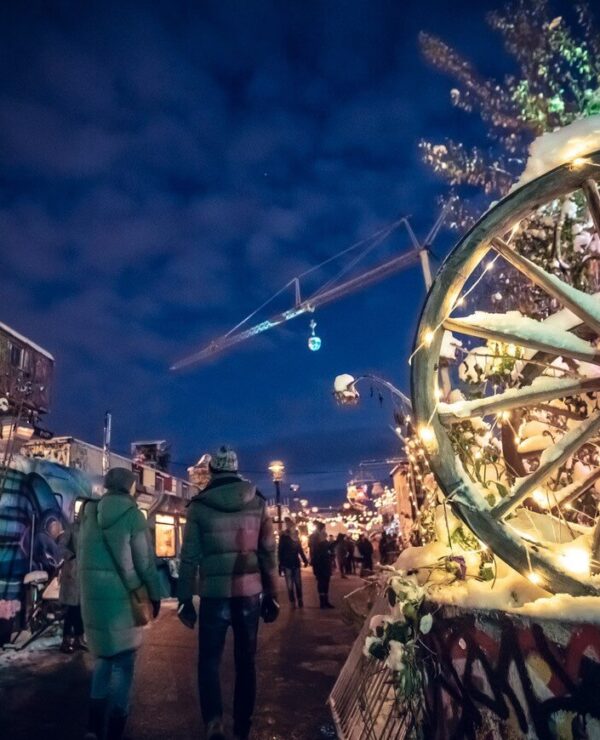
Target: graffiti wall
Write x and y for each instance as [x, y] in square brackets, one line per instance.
[500, 676]
[37, 499]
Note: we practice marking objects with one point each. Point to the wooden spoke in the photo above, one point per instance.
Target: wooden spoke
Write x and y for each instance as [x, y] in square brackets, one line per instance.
[583, 305]
[574, 491]
[544, 389]
[569, 345]
[590, 190]
[551, 459]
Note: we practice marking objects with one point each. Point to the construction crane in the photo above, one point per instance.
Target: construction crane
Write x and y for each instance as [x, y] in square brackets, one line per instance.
[328, 292]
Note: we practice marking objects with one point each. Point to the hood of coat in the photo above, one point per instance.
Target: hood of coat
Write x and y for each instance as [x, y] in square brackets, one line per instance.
[112, 506]
[227, 493]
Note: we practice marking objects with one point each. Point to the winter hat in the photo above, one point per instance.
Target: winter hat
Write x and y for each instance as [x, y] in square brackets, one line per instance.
[224, 461]
[119, 479]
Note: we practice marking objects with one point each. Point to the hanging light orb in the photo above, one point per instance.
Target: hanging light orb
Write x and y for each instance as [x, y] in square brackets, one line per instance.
[314, 342]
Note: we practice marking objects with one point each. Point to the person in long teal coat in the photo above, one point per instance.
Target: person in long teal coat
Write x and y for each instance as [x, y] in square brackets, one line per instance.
[107, 576]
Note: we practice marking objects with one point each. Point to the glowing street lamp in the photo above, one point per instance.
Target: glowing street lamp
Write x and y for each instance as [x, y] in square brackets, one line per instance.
[277, 469]
[344, 389]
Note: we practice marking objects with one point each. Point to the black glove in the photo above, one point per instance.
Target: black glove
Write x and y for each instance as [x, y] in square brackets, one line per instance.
[187, 614]
[155, 608]
[269, 609]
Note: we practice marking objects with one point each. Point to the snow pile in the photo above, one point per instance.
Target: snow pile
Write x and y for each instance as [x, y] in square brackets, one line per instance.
[509, 591]
[559, 147]
[450, 344]
[514, 324]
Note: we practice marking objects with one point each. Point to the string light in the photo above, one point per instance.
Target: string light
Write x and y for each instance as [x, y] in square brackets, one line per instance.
[576, 560]
[534, 577]
[426, 434]
[428, 338]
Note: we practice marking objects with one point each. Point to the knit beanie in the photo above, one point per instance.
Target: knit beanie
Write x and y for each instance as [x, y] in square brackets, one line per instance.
[119, 479]
[224, 461]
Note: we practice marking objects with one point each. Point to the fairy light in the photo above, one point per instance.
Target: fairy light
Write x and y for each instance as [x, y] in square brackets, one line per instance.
[540, 498]
[428, 337]
[504, 415]
[576, 560]
[579, 162]
[489, 266]
[426, 434]
[460, 301]
[534, 577]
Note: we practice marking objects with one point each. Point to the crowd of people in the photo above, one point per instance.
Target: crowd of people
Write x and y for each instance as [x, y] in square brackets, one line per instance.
[230, 557]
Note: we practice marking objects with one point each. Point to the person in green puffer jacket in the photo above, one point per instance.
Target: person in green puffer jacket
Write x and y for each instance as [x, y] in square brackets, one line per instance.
[229, 540]
[115, 557]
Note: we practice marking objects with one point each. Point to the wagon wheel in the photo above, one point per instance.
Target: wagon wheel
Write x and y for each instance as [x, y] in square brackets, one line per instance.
[572, 340]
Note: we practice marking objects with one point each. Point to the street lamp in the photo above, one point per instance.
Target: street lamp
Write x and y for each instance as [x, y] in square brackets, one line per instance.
[277, 469]
[344, 389]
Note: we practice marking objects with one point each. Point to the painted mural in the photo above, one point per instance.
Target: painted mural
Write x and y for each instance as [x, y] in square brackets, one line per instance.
[36, 501]
[499, 676]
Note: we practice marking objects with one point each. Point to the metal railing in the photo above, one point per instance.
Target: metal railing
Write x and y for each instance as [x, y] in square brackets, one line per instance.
[363, 700]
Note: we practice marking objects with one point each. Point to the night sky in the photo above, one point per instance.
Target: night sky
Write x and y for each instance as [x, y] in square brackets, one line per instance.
[166, 167]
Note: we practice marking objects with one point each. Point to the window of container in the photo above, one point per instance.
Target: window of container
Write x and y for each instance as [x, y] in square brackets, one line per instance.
[165, 536]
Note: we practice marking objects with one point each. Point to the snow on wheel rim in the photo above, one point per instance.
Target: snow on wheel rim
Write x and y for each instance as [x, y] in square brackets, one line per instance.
[492, 523]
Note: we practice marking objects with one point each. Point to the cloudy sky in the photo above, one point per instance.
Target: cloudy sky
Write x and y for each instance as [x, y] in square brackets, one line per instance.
[167, 166]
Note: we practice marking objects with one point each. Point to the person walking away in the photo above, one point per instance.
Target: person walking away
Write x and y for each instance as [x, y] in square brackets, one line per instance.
[290, 553]
[69, 593]
[321, 563]
[229, 539]
[349, 542]
[340, 554]
[366, 550]
[383, 548]
[118, 580]
[314, 538]
[331, 543]
[357, 559]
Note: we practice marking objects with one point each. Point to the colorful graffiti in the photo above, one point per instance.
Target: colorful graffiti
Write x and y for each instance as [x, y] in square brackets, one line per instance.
[499, 676]
[36, 501]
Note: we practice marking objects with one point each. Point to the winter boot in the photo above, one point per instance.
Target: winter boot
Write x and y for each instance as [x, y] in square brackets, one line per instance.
[96, 717]
[300, 603]
[116, 725]
[67, 645]
[324, 601]
[79, 644]
[214, 730]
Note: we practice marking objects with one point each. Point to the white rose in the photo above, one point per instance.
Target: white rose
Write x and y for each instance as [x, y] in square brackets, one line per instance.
[394, 659]
[371, 640]
[377, 621]
[426, 623]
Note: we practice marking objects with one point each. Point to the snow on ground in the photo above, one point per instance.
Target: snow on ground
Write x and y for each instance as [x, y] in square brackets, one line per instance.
[559, 147]
[44, 646]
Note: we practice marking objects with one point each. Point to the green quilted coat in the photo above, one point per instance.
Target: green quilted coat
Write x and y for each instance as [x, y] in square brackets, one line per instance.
[105, 602]
[229, 540]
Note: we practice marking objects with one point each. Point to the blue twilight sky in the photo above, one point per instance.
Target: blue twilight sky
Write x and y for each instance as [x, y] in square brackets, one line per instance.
[166, 166]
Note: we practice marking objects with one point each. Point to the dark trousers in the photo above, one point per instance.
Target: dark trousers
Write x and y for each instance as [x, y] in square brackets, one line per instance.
[293, 581]
[216, 616]
[73, 625]
[323, 583]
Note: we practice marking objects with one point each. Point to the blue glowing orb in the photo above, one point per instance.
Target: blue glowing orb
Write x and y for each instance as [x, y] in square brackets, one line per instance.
[314, 343]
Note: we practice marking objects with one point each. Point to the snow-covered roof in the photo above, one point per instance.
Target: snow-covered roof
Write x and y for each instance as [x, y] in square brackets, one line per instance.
[21, 338]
